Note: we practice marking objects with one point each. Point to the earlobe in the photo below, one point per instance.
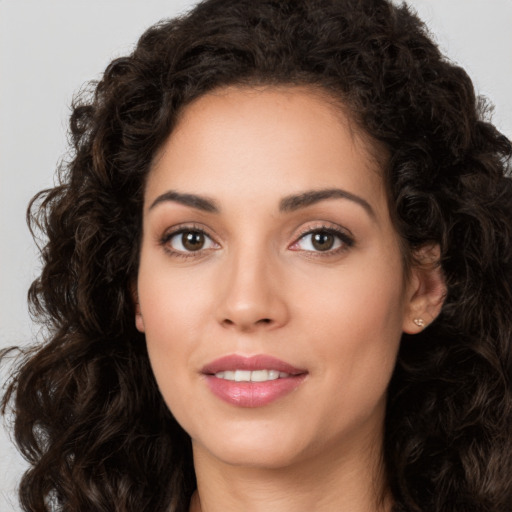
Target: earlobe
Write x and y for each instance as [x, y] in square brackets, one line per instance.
[426, 290]
[139, 320]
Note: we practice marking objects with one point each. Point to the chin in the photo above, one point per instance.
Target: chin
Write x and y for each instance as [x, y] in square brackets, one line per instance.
[251, 449]
[254, 457]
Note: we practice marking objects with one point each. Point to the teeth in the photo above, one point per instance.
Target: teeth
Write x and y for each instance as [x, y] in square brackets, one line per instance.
[251, 376]
[242, 375]
[260, 375]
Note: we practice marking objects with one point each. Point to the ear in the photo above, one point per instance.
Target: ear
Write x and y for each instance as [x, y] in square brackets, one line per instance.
[426, 290]
[139, 321]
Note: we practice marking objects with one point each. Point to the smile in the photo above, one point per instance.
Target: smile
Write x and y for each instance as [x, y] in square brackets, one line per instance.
[252, 381]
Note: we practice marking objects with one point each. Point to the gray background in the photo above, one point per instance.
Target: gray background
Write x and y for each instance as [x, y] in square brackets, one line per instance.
[48, 49]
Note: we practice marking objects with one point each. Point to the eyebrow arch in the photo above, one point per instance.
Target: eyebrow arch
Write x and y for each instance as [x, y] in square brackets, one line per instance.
[194, 201]
[295, 202]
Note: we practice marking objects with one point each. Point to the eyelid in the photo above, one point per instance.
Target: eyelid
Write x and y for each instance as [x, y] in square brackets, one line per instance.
[176, 230]
[343, 234]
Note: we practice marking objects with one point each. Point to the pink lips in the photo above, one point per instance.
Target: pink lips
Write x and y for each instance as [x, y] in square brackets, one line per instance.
[252, 394]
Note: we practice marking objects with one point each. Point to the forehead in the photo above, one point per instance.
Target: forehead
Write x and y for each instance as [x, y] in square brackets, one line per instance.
[265, 140]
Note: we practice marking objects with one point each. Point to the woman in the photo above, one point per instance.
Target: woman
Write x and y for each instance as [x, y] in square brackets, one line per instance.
[277, 275]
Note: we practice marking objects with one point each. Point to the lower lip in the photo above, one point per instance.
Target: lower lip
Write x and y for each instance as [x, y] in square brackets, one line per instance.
[253, 394]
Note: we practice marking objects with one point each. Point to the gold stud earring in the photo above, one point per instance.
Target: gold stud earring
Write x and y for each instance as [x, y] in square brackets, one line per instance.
[419, 322]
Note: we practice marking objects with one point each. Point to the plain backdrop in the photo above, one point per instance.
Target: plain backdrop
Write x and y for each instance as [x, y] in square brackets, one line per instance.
[50, 48]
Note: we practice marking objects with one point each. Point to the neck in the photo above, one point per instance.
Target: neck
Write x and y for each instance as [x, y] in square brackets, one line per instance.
[341, 480]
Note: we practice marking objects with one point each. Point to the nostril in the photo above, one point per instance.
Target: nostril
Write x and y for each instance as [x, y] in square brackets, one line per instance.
[227, 322]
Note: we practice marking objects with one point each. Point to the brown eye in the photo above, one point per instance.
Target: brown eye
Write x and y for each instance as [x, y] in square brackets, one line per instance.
[322, 240]
[188, 241]
[192, 240]
[327, 240]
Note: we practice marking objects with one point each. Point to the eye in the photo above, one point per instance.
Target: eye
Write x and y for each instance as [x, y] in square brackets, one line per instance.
[323, 240]
[188, 240]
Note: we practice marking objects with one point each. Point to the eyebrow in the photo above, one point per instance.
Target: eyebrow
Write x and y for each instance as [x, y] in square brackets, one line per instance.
[194, 201]
[287, 204]
[295, 202]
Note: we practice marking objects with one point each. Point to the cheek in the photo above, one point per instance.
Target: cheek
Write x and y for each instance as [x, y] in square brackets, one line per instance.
[362, 333]
[364, 296]
[174, 310]
[355, 325]
[171, 301]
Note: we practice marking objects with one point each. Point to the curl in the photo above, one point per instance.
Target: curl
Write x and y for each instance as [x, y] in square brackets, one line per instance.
[88, 415]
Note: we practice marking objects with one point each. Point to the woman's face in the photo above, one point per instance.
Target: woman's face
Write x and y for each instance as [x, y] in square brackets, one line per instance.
[271, 287]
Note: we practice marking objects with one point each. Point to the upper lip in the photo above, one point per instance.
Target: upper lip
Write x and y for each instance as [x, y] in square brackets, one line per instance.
[258, 362]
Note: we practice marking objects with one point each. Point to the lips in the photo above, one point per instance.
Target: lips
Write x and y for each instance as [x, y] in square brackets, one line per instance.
[252, 381]
[259, 362]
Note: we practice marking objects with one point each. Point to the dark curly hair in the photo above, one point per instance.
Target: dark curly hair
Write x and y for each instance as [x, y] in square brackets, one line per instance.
[88, 414]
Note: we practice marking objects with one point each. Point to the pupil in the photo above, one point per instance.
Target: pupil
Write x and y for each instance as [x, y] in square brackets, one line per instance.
[323, 241]
[193, 240]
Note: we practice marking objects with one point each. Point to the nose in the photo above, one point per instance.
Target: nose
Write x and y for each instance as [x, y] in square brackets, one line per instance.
[252, 295]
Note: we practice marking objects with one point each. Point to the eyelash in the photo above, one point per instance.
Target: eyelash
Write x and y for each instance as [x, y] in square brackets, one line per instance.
[346, 241]
[179, 230]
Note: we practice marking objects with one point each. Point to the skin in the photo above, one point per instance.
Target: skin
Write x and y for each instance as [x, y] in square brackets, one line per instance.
[259, 286]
